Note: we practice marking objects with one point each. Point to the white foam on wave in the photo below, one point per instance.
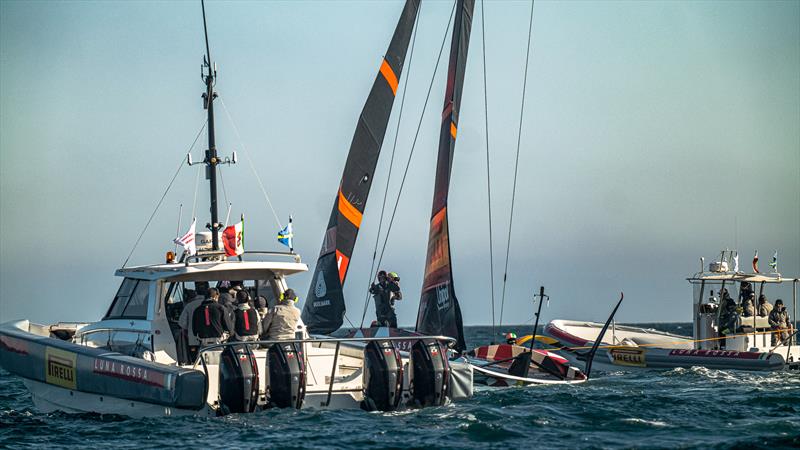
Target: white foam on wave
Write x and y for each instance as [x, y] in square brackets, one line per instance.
[654, 423]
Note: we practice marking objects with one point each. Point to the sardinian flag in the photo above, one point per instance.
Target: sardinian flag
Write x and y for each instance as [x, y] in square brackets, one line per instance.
[187, 240]
[755, 263]
[233, 239]
[774, 263]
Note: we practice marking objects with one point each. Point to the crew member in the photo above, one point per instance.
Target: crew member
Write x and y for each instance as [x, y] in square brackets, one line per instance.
[748, 305]
[210, 321]
[393, 286]
[247, 324]
[728, 318]
[380, 293]
[745, 291]
[281, 320]
[511, 338]
[191, 302]
[764, 306]
[780, 322]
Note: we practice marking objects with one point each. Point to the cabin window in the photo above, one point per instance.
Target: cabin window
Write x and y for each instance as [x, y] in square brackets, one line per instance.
[130, 301]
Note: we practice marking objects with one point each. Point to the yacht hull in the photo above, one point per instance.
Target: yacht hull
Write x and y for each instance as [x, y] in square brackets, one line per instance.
[630, 348]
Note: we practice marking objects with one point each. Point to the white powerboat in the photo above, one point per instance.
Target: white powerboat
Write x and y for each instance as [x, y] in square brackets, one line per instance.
[135, 361]
[733, 342]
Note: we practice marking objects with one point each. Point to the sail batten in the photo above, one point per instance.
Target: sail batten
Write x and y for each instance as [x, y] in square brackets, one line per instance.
[439, 312]
[324, 308]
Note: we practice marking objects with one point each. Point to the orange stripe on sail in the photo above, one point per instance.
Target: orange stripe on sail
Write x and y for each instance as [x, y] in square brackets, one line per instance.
[349, 211]
[388, 74]
[453, 130]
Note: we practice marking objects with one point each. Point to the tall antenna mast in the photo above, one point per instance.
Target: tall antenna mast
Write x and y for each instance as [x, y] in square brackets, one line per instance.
[211, 159]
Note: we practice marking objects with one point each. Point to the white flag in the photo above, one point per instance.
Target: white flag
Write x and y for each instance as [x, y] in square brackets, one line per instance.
[736, 263]
[187, 240]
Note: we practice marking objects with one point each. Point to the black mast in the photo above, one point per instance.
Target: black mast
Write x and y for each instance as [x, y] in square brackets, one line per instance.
[211, 154]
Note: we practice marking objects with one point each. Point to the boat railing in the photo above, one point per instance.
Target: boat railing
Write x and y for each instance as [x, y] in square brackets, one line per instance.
[141, 334]
[203, 256]
[338, 341]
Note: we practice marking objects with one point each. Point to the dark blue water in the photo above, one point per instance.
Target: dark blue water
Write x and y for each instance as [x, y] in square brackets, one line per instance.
[693, 408]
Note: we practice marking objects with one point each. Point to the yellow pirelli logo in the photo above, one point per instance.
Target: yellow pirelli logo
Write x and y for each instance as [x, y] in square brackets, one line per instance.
[59, 367]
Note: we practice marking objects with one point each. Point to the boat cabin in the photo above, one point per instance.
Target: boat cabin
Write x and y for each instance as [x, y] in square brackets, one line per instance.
[142, 319]
[717, 327]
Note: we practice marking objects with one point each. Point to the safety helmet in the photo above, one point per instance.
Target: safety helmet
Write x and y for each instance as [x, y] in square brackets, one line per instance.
[511, 336]
[394, 276]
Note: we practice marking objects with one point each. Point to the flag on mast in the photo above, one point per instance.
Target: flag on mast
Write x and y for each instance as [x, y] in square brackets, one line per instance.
[774, 263]
[285, 235]
[736, 263]
[755, 263]
[233, 239]
[187, 240]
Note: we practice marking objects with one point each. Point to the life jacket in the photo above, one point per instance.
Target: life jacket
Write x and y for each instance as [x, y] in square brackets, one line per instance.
[246, 320]
[207, 320]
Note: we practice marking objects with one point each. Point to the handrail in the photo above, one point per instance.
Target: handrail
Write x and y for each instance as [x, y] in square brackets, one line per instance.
[448, 339]
[451, 341]
[198, 257]
[82, 335]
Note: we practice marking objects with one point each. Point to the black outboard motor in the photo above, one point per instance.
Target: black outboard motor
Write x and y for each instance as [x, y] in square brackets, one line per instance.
[238, 380]
[383, 377]
[287, 376]
[430, 373]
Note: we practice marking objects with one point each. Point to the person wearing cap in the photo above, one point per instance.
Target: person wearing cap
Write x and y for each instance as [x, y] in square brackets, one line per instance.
[393, 286]
[511, 338]
[780, 322]
[764, 306]
[381, 294]
[247, 324]
[728, 318]
[281, 320]
[210, 320]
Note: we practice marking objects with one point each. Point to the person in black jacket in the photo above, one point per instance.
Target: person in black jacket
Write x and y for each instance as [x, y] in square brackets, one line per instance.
[247, 323]
[210, 321]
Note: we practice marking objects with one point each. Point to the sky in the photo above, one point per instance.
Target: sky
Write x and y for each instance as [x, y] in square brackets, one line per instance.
[654, 133]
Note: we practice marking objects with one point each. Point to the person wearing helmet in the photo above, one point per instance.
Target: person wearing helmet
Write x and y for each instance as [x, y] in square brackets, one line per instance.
[281, 320]
[511, 338]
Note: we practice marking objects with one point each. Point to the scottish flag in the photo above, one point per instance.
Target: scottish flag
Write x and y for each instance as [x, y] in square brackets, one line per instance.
[285, 235]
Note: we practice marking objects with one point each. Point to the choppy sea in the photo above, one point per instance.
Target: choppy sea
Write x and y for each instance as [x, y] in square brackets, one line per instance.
[680, 408]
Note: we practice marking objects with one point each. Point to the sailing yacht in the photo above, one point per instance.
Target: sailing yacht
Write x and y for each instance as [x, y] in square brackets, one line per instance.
[134, 361]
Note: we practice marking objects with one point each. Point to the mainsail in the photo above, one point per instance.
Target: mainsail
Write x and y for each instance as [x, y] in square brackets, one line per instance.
[439, 312]
[325, 307]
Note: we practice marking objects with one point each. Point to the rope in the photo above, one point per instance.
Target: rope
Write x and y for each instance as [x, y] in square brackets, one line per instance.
[196, 188]
[222, 182]
[250, 161]
[391, 166]
[410, 155]
[488, 173]
[161, 200]
[516, 164]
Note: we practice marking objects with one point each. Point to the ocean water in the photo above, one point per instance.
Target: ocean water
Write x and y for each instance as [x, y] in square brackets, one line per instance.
[680, 408]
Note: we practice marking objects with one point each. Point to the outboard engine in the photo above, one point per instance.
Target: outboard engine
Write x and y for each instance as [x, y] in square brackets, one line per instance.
[383, 377]
[430, 373]
[287, 376]
[238, 380]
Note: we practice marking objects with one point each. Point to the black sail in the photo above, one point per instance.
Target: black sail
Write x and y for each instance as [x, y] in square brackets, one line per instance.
[439, 312]
[324, 308]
